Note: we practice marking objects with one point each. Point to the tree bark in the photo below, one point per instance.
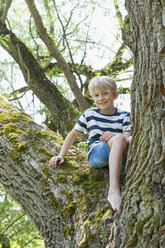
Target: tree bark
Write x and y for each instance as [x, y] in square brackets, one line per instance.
[140, 222]
[39, 83]
[68, 204]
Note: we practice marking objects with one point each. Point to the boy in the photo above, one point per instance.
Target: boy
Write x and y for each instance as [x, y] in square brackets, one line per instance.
[109, 134]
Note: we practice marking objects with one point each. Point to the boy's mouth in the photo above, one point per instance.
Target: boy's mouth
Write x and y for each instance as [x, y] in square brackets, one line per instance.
[102, 103]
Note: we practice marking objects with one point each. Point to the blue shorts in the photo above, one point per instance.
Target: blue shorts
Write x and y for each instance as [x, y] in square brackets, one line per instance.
[99, 157]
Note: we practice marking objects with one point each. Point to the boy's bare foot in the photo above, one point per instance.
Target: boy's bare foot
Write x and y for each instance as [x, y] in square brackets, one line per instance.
[114, 199]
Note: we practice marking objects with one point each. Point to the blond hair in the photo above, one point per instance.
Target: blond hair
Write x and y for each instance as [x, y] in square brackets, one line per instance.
[102, 83]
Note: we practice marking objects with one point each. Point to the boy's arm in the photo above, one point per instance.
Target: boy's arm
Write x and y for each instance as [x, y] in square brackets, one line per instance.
[70, 138]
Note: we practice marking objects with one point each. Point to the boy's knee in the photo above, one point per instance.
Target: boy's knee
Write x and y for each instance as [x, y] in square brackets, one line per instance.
[118, 138]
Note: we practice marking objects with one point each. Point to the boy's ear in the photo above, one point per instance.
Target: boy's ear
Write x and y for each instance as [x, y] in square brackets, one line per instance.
[116, 95]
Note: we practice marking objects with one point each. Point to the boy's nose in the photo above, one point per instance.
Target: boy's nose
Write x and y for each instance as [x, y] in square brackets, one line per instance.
[100, 97]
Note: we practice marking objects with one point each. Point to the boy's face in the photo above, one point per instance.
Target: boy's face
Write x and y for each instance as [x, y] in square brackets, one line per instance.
[104, 99]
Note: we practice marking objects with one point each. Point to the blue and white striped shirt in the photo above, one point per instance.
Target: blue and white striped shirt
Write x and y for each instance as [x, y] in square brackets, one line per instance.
[96, 123]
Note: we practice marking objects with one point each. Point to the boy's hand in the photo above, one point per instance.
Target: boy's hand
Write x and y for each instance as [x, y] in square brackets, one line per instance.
[55, 160]
[106, 136]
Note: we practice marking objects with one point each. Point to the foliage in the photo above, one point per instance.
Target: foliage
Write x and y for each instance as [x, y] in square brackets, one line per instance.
[16, 228]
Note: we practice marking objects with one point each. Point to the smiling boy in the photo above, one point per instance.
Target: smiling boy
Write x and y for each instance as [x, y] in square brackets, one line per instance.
[108, 134]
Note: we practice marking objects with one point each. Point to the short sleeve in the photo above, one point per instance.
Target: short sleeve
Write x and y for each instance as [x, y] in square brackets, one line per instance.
[126, 122]
[81, 124]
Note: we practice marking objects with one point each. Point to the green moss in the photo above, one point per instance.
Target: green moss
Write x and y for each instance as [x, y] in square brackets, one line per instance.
[14, 156]
[41, 135]
[13, 137]
[82, 207]
[101, 214]
[21, 148]
[11, 116]
[88, 237]
[42, 160]
[75, 180]
[54, 201]
[80, 177]
[70, 209]
[68, 231]
[26, 118]
[1, 132]
[43, 183]
[45, 151]
[63, 192]
[61, 177]
[13, 134]
[68, 162]
[45, 170]
[57, 139]
[11, 128]
[107, 214]
[69, 195]
[94, 228]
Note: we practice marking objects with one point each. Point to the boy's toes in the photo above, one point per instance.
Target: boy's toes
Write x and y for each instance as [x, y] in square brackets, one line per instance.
[114, 199]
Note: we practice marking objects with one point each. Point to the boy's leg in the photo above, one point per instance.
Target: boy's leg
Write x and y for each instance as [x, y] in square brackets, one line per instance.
[99, 156]
[117, 145]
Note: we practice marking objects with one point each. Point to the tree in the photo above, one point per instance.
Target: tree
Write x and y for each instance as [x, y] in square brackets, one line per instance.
[64, 203]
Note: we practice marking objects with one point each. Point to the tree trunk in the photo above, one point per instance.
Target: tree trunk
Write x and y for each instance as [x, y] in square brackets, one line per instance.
[39, 83]
[68, 204]
[140, 222]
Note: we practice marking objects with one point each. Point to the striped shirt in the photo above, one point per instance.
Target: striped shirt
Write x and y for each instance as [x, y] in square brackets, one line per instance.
[96, 123]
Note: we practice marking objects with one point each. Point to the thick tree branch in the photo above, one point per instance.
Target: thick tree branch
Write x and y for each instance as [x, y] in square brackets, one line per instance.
[63, 202]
